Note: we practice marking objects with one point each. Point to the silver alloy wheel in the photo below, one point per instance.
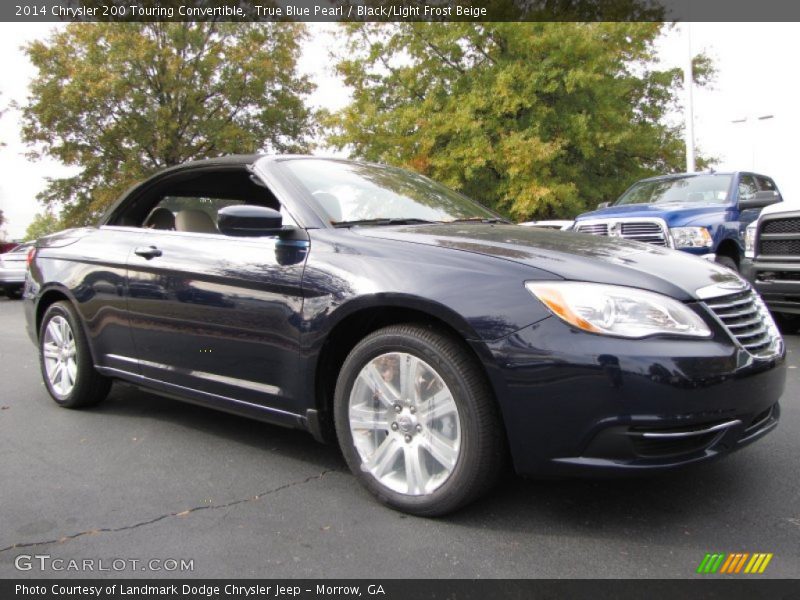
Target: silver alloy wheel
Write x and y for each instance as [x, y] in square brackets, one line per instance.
[405, 424]
[59, 351]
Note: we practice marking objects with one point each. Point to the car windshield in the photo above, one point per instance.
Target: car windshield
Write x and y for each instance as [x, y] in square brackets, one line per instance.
[700, 189]
[353, 193]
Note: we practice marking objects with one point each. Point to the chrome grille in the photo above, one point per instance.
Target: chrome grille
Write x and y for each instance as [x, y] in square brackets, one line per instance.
[746, 318]
[649, 233]
[593, 229]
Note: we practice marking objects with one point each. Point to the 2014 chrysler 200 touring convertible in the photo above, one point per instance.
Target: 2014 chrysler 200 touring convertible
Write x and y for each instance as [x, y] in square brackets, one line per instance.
[372, 306]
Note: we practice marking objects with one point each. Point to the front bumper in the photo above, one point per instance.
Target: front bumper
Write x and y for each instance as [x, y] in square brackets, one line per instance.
[577, 403]
[778, 282]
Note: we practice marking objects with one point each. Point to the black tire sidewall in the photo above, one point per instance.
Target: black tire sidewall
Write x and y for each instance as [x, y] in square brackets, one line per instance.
[727, 261]
[451, 494]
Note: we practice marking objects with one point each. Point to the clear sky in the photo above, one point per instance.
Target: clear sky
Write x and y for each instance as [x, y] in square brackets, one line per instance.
[757, 76]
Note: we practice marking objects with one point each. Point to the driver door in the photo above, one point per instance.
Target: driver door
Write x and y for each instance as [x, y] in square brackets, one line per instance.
[213, 314]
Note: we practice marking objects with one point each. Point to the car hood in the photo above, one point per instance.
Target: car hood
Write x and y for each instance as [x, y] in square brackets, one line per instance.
[571, 256]
[779, 207]
[673, 214]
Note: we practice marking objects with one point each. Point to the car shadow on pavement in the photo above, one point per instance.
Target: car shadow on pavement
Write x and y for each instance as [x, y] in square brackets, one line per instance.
[638, 502]
[128, 401]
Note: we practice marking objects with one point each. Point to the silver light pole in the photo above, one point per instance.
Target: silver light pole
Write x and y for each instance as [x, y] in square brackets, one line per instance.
[689, 110]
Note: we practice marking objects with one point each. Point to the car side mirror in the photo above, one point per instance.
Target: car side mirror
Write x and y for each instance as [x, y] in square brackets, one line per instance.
[249, 221]
[603, 205]
[760, 200]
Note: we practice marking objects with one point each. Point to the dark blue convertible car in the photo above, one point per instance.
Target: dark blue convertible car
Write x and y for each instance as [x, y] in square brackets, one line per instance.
[431, 339]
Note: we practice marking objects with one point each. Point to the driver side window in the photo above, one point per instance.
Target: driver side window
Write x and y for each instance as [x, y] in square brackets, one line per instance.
[190, 201]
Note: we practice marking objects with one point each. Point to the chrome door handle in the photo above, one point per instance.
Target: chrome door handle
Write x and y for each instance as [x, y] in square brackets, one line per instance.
[147, 252]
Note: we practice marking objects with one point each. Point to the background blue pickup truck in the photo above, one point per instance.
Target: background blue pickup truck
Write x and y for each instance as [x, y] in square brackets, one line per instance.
[701, 213]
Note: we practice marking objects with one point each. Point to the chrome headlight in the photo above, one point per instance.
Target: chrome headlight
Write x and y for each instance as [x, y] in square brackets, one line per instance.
[691, 237]
[618, 311]
[750, 241]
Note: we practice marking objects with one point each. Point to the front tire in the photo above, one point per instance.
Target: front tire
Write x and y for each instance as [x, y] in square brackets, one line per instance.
[66, 361]
[416, 420]
[727, 261]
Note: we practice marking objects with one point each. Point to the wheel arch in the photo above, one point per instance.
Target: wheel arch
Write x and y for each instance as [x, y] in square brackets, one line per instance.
[358, 320]
[48, 297]
[730, 248]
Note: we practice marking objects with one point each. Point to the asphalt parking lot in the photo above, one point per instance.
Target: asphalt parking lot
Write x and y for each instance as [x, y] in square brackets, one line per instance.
[141, 477]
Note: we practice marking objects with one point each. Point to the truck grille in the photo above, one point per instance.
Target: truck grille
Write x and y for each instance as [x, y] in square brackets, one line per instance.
[594, 229]
[779, 235]
[780, 247]
[648, 232]
[747, 320]
[782, 226]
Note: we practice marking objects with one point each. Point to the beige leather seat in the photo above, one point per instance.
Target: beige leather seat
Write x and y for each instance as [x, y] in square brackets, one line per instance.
[195, 221]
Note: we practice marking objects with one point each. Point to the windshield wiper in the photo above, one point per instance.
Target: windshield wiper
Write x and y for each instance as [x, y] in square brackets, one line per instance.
[479, 220]
[382, 221]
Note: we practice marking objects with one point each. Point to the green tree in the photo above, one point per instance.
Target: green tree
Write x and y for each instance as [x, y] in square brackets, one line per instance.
[536, 119]
[43, 223]
[122, 100]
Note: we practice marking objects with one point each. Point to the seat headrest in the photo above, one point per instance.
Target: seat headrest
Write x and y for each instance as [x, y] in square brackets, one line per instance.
[195, 221]
[161, 218]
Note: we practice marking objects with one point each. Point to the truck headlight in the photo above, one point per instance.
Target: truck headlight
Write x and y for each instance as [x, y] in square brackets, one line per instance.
[618, 311]
[750, 241]
[691, 237]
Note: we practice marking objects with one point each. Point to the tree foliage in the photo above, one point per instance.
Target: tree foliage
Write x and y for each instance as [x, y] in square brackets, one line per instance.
[536, 119]
[43, 223]
[122, 100]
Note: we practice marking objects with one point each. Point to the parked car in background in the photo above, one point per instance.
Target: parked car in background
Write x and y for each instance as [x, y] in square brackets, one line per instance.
[7, 246]
[772, 259]
[704, 214]
[557, 224]
[12, 270]
[421, 332]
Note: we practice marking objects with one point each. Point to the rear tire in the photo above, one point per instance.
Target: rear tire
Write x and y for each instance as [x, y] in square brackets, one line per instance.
[66, 361]
[416, 420]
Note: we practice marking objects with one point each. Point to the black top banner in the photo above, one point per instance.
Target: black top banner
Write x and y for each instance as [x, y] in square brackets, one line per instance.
[399, 10]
